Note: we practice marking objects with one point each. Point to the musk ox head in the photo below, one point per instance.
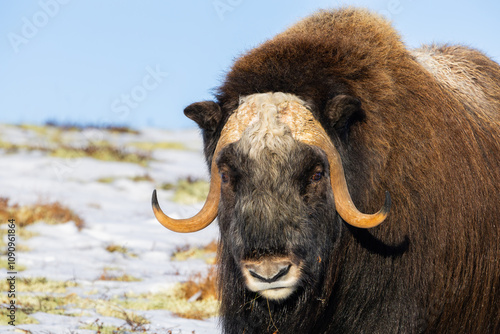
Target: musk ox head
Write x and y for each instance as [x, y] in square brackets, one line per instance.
[278, 187]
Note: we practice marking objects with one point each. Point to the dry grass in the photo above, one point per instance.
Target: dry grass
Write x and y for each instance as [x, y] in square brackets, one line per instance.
[152, 146]
[205, 285]
[40, 284]
[102, 151]
[111, 275]
[39, 294]
[68, 126]
[199, 288]
[50, 213]
[166, 186]
[199, 292]
[36, 294]
[191, 191]
[107, 179]
[193, 299]
[187, 191]
[137, 178]
[113, 248]
[133, 325]
[142, 178]
[8, 148]
[53, 142]
[187, 252]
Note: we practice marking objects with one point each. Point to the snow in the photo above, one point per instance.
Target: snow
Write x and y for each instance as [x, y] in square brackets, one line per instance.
[118, 212]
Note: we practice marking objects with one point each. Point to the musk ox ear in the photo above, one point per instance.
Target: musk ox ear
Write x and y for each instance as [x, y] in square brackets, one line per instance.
[342, 111]
[206, 114]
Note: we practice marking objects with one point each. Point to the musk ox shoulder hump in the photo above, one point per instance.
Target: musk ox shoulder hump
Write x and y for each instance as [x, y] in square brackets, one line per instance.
[465, 72]
[348, 44]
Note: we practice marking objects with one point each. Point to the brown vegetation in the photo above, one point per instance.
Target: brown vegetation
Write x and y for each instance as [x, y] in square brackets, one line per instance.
[77, 127]
[50, 213]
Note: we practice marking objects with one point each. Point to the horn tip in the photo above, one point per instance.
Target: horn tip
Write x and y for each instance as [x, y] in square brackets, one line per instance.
[382, 214]
[387, 204]
[154, 202]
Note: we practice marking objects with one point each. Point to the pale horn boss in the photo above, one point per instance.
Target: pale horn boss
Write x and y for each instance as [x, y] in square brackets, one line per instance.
[303, 127]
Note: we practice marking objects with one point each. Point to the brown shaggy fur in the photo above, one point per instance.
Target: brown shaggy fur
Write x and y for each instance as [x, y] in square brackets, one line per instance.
[429, 133]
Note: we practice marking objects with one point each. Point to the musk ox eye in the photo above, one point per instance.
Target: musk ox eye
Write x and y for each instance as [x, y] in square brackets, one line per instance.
[224, 177]
[317, 176]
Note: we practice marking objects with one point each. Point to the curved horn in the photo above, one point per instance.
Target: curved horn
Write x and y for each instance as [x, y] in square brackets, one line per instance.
[307, 129]
[231, 132]
[202, 219]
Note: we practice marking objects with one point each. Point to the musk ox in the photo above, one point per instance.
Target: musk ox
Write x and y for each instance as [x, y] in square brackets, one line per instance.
[328, 130]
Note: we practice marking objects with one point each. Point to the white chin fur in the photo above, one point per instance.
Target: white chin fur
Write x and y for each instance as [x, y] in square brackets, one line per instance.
[277, 294]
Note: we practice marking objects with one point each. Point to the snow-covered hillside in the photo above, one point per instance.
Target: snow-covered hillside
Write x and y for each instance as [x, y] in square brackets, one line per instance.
[106, 275]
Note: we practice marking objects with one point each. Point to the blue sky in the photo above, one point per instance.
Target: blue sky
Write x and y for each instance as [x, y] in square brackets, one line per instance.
[141, 62]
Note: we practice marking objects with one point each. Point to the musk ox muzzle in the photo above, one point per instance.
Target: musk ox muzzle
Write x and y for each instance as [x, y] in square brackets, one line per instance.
[275, 278]
[294, 113]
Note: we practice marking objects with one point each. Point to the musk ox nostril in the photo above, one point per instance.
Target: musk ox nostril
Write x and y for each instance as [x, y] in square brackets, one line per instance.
[270, 279]
[273, 278]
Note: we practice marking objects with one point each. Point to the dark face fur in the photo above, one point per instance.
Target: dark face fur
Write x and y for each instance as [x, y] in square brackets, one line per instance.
[280, 240]
[277, 216]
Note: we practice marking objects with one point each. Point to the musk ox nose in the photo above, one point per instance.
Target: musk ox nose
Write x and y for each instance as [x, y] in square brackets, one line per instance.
[274, 278]
[270, 272]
